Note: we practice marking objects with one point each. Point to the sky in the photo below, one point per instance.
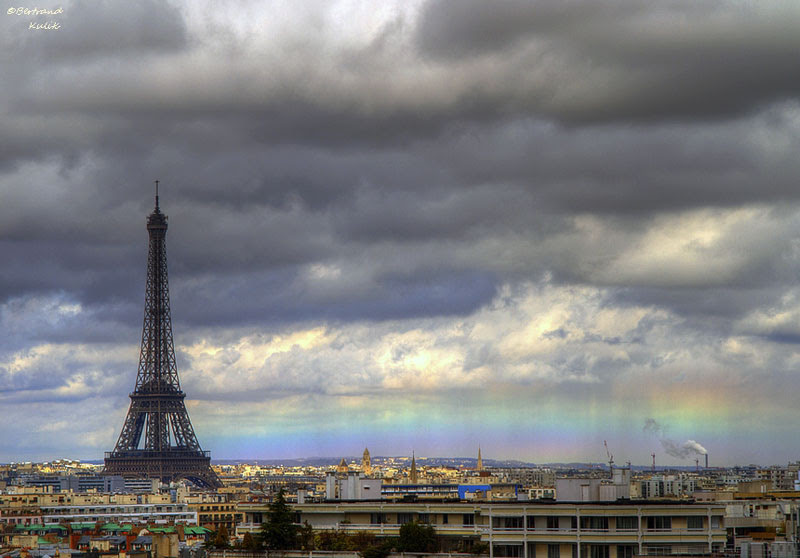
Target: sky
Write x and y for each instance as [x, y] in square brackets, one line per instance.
[428, 225]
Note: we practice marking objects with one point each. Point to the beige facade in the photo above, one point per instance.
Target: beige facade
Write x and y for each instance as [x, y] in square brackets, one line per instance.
[216, 514]
[622, 529]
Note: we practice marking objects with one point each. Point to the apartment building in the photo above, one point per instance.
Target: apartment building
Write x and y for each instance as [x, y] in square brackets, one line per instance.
[217, 514]
[614, 529]
[120, 513]
[526, 476]
[668, 486]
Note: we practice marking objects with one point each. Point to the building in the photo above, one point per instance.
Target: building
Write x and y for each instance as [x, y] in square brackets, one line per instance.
[613, 529]
[75, 483]
[366, 462]
[526, 476]
[119, 513]
[595, 490]
[214, 515]
[353, 486]
[215, 509]
[668, 486]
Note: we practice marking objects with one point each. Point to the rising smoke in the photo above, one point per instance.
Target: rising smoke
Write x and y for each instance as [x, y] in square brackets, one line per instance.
[672, 447]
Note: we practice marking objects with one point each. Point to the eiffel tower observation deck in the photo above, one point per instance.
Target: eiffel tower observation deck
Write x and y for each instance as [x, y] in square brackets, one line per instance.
[157, 439]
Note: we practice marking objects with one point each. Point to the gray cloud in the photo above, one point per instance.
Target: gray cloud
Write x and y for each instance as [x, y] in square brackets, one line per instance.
[628, 60]
[411, 170]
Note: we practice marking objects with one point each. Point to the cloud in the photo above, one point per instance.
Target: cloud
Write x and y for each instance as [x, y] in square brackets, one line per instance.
[620, 60]
[576, 204]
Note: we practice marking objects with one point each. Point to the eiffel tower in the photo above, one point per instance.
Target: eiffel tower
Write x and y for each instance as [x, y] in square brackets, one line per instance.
[171, 450]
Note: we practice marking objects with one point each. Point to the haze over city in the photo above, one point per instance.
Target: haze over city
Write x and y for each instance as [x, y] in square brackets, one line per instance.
[423, 226]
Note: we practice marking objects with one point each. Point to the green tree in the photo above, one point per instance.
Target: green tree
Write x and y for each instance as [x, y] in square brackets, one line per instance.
[361, 541]
[378, 549]
[331, 540]
[417, 537]
[279, 531]
[305, 536]
[221, 539]
[249, 543]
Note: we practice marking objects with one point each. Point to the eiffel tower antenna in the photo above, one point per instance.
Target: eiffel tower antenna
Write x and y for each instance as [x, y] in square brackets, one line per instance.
[157, 439]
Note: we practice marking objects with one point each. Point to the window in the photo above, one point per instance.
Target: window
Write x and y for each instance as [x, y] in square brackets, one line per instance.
[403, 518]
[553, 551]
[508, 522]
[444, 519]
[507, 550]
[659, 523]
[424, 518]
[531, 521]
[594, 523]
[694, 522]
[598, 551]
[468, 519]
[627, 523]
[626, 550]
[552, 522]
[377, 518]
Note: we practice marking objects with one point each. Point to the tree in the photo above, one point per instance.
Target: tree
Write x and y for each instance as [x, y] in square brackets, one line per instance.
[332, 541]
[249, 543]
[222, 540]
[305, 536]
[378, 549]
[279, 531]
[417, 537]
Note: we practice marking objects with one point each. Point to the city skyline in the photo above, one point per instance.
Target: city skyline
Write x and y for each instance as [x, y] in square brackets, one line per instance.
[413, 226]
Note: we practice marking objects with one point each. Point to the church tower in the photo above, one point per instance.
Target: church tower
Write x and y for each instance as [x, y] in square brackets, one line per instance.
[366, 463]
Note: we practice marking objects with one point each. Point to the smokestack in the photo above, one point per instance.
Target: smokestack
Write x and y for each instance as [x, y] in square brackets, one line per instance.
[706, 461]
[654, 462]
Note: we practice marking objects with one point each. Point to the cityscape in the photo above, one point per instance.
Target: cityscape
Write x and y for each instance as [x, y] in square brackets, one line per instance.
[471, 278]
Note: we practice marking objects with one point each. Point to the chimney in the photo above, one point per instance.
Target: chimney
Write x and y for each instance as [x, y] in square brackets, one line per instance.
[706, 461]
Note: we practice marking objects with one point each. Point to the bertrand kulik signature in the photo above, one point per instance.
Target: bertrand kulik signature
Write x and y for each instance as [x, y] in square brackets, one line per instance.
[45, 26]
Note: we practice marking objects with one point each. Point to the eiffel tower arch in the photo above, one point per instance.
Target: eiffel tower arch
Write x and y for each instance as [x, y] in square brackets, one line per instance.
[157, 438]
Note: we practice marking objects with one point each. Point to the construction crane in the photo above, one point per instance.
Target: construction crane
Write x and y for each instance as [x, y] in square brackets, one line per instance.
[610, 458]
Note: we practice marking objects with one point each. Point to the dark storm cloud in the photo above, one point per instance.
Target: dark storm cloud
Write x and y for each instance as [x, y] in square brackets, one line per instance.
[430, 181]
[280, 297]
[624, 60]
[456, 29]
[406, 215]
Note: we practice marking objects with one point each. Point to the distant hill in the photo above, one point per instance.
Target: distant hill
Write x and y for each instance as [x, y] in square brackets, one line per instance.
[403, 460]
[468, 462]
